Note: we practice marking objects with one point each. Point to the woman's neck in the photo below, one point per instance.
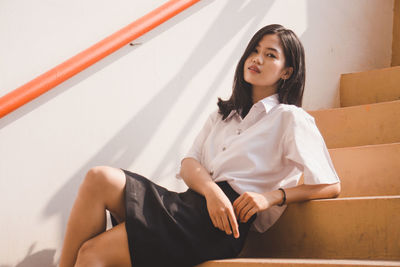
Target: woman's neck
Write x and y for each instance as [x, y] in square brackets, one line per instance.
[262, 92]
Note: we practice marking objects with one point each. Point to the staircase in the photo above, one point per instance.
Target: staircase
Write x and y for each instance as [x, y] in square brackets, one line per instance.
[362, 226]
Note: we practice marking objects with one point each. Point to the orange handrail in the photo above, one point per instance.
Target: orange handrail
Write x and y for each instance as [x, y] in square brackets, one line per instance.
[86, 58]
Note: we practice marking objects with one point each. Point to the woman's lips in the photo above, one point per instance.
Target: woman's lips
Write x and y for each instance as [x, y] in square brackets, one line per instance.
[254, 68]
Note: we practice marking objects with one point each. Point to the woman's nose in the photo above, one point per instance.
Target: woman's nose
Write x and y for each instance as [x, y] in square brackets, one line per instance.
[257, 59]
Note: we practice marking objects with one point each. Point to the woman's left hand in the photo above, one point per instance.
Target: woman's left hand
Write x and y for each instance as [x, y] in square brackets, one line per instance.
[249, 203]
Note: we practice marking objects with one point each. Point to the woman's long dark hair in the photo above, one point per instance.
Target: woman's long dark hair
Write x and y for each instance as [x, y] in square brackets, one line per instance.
[289, 91]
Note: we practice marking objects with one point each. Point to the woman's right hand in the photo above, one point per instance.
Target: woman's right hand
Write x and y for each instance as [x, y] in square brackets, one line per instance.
[221, 212]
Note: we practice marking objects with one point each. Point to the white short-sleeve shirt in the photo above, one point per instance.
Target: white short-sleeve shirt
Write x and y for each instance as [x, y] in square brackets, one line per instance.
[270, 148]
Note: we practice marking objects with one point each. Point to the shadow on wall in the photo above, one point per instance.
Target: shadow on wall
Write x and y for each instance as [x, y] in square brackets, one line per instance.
[247, 15]
[233, 18]
[44, 258]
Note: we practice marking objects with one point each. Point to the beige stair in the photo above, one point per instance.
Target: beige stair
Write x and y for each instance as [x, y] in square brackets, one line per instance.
[372, 170]
[359, 125]
[346, 228]
[370, 87]
[262, 262]
[362, 226]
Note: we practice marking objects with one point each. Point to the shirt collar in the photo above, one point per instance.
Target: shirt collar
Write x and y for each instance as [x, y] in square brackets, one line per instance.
[269, 102]
[233, 112]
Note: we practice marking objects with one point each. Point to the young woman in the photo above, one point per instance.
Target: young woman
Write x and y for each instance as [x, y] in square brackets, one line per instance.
[242, 170]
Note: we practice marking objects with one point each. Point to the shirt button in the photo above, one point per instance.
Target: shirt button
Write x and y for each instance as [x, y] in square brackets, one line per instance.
[239, 131]
[224, 148]
[211, 173]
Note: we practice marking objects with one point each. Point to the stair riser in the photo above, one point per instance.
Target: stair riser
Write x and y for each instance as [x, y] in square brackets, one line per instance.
[370, 87]
[332, 229]
[359, 126]
[368, 170]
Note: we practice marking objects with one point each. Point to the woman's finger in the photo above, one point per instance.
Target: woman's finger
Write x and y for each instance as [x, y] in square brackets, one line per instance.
[220, 223]
[237, 202]
[240, 206]
[234, 224]
[243, 210]
[250, 213]
[214, 221]
[227, 226]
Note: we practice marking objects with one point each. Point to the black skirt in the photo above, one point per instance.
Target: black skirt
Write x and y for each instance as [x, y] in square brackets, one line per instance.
[167, 228]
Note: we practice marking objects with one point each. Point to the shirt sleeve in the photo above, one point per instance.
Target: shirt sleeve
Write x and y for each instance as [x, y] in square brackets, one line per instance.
[306, 148]
[196, 149]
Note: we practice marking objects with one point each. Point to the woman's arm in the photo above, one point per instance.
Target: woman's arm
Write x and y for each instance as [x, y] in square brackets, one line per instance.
[219, 207]
[305, 192]
[250, 203]
[196, 177]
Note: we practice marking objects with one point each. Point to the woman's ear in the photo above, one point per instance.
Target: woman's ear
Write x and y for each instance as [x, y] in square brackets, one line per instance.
[287, 73]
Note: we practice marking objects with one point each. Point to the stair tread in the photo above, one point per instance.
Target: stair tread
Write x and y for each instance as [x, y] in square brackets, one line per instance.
[373, 70]
[358, 198]
[311, 261]
[356, 106]
[365, 146]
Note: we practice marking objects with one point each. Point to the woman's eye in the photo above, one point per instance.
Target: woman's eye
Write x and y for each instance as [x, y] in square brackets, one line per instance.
[270, 55]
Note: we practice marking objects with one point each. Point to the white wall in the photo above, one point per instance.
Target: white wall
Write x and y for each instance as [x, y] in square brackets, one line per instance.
[141, 107]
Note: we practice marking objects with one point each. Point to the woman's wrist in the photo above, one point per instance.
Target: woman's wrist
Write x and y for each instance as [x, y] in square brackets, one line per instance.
[275, 197]
[283, 198]
[211, 189]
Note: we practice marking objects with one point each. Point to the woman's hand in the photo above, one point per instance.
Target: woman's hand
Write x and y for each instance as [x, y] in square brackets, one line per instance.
[221, 212]
[249, 203]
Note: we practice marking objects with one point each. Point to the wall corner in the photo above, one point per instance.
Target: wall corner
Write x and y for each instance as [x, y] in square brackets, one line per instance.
[396, 34]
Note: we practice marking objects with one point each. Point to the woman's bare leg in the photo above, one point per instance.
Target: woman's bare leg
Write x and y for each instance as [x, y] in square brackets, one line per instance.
[107, 249]
[102, 188]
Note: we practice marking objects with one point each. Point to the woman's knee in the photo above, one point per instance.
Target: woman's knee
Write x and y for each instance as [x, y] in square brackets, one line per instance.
[88, 256]
[101, 178]
[106, 249]
[107, 184]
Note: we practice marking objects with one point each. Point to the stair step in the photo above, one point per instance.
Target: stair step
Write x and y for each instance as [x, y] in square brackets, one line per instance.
[372, 170]
[342, 228]
[369, 87]
[359, 125]
[262, 262]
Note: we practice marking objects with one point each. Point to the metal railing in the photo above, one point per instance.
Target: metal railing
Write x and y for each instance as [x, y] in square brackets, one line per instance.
[91, 55]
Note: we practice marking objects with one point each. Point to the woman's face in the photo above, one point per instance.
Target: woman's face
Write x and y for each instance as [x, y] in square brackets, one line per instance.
[266, 64]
